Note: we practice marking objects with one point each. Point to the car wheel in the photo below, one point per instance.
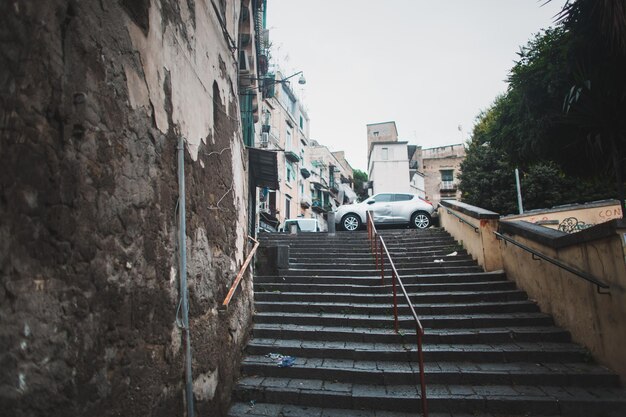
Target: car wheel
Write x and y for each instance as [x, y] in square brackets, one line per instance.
[351, 222]
[421, 220]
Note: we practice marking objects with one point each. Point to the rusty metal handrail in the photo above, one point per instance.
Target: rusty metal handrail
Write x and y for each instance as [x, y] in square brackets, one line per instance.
[379, 250]
[233, 287]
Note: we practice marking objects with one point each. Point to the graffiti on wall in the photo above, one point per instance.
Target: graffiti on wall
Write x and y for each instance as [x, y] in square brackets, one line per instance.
[573, 225]
[610, 213]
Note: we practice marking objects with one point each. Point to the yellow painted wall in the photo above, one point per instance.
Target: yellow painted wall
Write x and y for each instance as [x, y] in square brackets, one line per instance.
[596, 321]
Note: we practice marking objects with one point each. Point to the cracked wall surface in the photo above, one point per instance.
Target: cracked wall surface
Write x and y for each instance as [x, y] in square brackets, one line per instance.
[94, 97]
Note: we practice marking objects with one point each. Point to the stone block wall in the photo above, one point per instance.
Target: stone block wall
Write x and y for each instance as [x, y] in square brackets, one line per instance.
[94, 96]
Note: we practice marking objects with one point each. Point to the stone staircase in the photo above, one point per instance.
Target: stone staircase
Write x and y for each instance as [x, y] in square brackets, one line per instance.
[488, 350]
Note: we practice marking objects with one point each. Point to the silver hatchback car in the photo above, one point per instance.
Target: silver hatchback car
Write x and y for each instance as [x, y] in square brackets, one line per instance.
[387, 208]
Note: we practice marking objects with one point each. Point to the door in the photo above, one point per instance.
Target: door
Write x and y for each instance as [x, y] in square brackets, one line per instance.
[401, 208]
[382, 208]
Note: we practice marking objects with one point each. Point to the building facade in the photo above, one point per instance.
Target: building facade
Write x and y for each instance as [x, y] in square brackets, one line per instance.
[393, 166]
[120, 118]
[311, 180]
[441, 168]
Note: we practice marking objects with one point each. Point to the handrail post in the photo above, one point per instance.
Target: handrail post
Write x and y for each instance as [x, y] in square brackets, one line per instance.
[376, 248]
[420, 354]
[395, 301]
[382, 263]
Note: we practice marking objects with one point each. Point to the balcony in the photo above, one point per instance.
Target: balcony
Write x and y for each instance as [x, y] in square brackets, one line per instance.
[318, 206]
[447, 186]
[305, 202]
[292, 156]
[305, 173]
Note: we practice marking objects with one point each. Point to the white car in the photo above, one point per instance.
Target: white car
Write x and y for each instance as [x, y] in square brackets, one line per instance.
[304, 225]
[387, 208]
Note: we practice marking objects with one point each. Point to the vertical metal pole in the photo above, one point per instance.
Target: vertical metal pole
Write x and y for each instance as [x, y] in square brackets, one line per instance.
[420, 354]
[182, 261]
[519, 192]
[376, 248]
[395, 301]
[382, 263]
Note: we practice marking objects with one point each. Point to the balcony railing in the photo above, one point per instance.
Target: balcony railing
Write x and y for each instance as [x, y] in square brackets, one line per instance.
[318, 206]
[448, 185]
[292, 156]
[305, 201]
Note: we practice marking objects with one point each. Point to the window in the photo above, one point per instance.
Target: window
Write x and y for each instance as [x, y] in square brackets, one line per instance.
[290, 173]
[301, 122]
[384, 154]
[402, 197]
[288, 144]
[287, 208]
[383, 198]
[376, 134]
[447, 175]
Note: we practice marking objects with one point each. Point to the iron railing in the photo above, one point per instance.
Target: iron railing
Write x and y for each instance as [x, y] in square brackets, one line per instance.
[233, 287]
[538, 255]
[380, 252]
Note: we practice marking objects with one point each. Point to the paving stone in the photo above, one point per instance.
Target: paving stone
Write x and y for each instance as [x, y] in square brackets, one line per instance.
[312, 384]
[275, 382]
[338, 363]
[337, 386]
[264, 409]
[298, 411]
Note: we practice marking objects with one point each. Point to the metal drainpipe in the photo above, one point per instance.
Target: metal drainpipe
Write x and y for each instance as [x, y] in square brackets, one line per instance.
[182, 260]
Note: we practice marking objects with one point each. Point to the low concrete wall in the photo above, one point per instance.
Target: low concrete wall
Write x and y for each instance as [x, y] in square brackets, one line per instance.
[477, 236]
[596, 321]
[574, 217]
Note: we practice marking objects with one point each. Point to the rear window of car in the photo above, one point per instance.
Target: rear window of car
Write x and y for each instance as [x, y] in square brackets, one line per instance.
[402, 197]
[382, 198]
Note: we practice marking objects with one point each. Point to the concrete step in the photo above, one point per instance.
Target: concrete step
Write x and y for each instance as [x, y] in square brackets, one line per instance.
[419, 298]
[370, 259]
[367, 254]
[439, 269]
[381, 309]
[448, 373]
[498, 399]
[486, 335]
[491, 353]
[389, 240]
[448, 246]
[373, 281]
[352, 265]
[407, 322]
[260, 409]
[341, 288]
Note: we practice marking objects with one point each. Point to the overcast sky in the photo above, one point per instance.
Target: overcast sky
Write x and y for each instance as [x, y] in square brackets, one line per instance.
[431, 66]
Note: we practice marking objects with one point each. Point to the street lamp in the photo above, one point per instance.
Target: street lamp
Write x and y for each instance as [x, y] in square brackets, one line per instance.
[268, 82]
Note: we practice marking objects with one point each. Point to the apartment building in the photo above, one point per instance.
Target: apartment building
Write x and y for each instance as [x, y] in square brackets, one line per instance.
[311, 180]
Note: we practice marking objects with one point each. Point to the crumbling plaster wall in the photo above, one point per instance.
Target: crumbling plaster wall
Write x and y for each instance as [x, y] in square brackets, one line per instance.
[94, 96]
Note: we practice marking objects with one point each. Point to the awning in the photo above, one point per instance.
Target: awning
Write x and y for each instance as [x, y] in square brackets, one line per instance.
[263, 168]
[348, 193]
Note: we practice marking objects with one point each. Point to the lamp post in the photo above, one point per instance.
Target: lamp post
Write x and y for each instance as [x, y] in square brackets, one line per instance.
[267, 82]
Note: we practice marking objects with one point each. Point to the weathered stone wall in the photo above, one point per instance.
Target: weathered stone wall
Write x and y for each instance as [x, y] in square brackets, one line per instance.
[93, 98]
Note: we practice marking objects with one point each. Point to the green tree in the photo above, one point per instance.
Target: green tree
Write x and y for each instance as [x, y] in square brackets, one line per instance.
[360, 178]
[566, 98]
[487, 179]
